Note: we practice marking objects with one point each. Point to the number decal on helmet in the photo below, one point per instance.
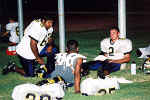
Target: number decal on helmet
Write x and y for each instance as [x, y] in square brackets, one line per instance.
[32, 96]
[17, 31]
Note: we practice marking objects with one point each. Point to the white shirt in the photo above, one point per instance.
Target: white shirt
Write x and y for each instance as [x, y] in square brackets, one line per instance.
[14, 32]
[116, 50]
[68, 60]
[38, 32]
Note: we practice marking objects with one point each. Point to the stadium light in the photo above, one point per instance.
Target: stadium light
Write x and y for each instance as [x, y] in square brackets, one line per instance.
[122, 18]
[20, 18]
[61, 25]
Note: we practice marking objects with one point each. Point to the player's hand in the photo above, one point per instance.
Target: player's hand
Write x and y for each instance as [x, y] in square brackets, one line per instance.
[110, 61]
[40, 61]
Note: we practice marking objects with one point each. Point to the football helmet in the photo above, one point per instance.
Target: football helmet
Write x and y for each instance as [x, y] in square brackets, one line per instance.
[146, 66]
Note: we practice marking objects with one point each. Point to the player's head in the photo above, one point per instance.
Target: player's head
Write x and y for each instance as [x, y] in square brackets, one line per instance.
[47, 21]
[12, 19]
[114, 33]
[72, 46]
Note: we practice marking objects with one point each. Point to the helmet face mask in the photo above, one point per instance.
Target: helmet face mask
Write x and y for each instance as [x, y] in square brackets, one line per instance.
[146, 66]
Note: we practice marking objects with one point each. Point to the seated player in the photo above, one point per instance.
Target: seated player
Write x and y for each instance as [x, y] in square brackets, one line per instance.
[36, 43]
[115, 53]
[68, 65]
[13, 32]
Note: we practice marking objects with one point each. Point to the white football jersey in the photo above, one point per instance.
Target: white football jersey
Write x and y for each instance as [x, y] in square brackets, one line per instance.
[14, 32]
[30, 91]
[116, 50]
[38, 32]
[68, 60]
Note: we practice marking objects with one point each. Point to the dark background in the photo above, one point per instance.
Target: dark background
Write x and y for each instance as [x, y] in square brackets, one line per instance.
[82, 14]
[10, 6]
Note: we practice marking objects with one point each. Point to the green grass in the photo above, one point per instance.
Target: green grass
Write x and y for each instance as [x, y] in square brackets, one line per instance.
[89, 46]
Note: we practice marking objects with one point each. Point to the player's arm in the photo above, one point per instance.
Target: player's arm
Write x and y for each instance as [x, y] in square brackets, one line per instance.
[50, 46]
[103, 48]
[104, 53]
[33, 45]
[5, 33]
[124, 60]
[77, 75]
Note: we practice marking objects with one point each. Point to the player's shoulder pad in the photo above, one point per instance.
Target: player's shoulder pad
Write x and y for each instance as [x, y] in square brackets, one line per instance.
[81, 56]
[61, 54]
[16, 24]
[126, 41]
[105, 40]
[9, 26]
[36, 24]
[50, 30]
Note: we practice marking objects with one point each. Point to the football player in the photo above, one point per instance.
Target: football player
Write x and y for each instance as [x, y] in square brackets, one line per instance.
[115, 53]
[68, 65]
[36, 43]
[13, 32]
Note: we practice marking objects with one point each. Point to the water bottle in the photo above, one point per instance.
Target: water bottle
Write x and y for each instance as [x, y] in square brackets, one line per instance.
[133, 68]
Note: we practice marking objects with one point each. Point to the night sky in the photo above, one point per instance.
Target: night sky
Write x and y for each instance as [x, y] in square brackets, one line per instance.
[137, 10]
[76, 5]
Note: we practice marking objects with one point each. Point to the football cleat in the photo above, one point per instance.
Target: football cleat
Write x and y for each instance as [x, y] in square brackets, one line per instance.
[9, 68]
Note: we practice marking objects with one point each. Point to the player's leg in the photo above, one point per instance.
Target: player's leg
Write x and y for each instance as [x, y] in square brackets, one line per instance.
[49, 51]
[112, 67]
[20, 70]
[91, 65]
[107, 68]
[11, 67]
[28, 66]
[12, 43]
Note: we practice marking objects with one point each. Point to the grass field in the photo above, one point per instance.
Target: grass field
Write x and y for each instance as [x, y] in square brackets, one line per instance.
[89, 46]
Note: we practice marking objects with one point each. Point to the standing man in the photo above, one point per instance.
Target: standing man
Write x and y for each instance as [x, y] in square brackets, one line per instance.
[35, 44]
[12, 31]
[115, 52]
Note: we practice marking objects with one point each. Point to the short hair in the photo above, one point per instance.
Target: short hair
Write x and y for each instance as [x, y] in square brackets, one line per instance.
[114, 28]
[72, 45]
[46, 18]
[13, 18]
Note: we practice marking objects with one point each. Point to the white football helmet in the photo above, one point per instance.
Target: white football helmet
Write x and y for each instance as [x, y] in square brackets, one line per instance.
[33, 92]
[92, 86]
